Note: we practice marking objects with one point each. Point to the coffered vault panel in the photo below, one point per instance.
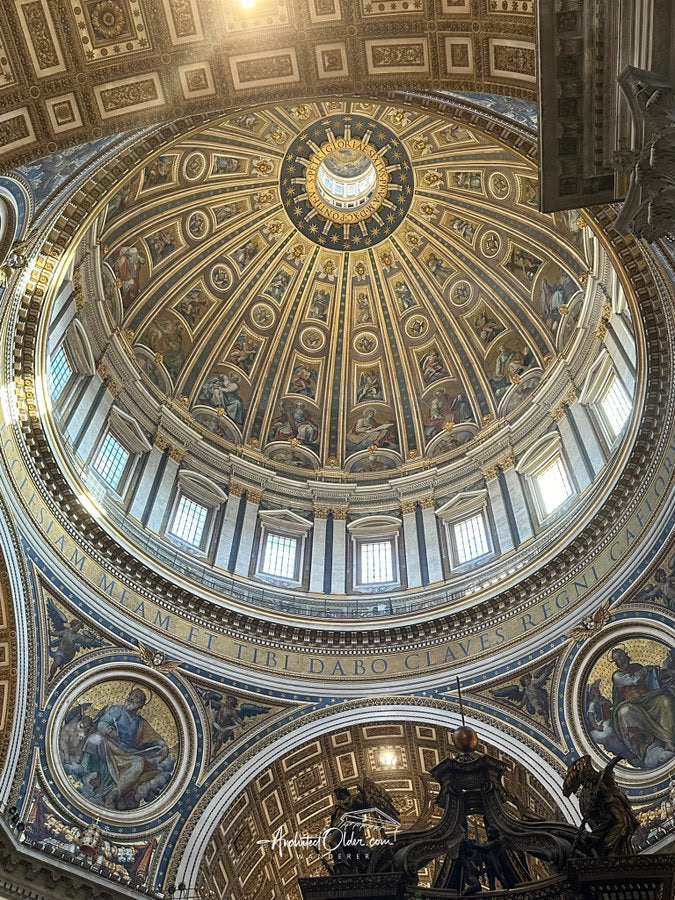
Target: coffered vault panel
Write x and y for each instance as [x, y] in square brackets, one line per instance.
[294, 797]
[72, 70]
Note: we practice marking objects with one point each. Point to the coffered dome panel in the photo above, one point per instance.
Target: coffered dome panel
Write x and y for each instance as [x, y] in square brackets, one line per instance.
[398, 318]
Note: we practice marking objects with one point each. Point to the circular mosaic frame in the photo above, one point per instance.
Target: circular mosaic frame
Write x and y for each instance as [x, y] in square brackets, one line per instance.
[154, 683]
[347, 229]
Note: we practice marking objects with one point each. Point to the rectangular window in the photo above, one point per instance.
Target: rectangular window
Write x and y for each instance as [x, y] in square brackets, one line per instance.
[189, 521]
[615, 404]
[280, 555]
[554, 485]
[377, 562]
[111, 461]
[59, 373]
[471, 539]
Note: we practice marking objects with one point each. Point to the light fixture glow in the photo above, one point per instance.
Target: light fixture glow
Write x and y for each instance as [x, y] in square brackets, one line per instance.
[247, 4]
[388, 757]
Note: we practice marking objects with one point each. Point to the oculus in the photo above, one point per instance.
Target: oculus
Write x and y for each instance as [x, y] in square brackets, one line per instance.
[347, 178]
[346, 182]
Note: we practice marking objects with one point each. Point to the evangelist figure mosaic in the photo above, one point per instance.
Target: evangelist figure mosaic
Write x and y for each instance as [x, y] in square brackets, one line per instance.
[629, 705]
[118, 745]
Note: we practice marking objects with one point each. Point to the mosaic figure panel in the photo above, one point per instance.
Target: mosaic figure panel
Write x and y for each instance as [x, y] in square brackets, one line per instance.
[629, 702]
[193, 306]
[295, 420]
[223, 391]
[372, 428]
[70, 637]
[506, 362]
[168, 338]
[118, 745]
[661, 586]
[229, 717]
[552, 293]
[443, 408]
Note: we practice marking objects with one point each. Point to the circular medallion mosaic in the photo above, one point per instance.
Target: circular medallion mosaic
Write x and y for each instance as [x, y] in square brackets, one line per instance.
[263, 316]
[417, 326]
[312, 339]
[366, 343]
[346, 182]
[121, 744]
[629, 702]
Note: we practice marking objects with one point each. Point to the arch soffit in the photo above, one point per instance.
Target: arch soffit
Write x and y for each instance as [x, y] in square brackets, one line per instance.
[189, 852]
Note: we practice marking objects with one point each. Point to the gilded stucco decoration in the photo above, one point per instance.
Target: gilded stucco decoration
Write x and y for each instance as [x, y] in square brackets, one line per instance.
[394, 323]
[102, 66]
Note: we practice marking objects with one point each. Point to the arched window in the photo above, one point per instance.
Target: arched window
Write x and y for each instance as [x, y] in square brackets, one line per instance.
[605, 393]
[194, 510]
[548, 475]
[60, 373]
[467, 530]
[116, 455]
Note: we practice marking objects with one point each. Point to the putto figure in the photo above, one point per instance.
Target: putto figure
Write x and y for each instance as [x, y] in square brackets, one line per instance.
[71, 637]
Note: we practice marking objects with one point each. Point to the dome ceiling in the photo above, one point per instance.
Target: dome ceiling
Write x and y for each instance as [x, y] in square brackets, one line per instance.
[322, 328]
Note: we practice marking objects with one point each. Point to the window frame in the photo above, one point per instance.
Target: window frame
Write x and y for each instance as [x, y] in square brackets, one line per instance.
[601, 377]
[390, 559]
[122, 483]
[127, 432]
[542, 455]
[485, 535]
[60, 398]
[613, 381]
[375, 530]
[182, 495]
[559, 461]
[201, 490]
[284, 524]
[465, 506]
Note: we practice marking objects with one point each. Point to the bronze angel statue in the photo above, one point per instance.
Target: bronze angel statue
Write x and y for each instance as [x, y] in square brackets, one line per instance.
[70, 637]
[355, 812]
[604, 806]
